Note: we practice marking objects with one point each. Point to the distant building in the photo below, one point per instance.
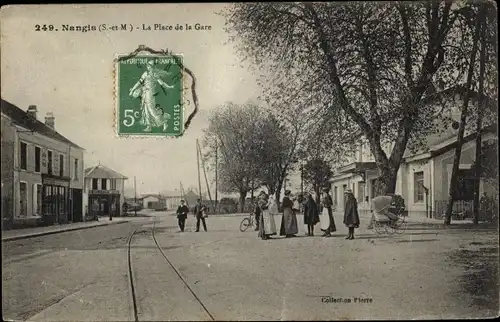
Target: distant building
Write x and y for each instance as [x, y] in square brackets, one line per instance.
[42, 171]
[104, 189]
[154, 201]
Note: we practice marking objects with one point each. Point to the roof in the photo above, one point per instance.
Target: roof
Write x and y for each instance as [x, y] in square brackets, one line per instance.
[152, 195]
[447, 144]
[434, 96]
[100, 171]
[21, 118]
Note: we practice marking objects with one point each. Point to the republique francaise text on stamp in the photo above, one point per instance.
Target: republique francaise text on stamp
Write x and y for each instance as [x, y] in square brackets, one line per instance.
[149, 95]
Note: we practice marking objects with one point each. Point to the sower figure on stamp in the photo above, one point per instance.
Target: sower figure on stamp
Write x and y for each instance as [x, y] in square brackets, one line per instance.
[351, 215]
[146, 89]
[289, 226]
[182, 212]
[200, 214]
[327, 221]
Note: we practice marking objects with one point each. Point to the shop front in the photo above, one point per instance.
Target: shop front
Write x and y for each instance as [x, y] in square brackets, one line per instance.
[56, 199]
[104, 203]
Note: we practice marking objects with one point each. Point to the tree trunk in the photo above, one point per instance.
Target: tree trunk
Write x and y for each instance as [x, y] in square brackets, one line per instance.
[479, 123]
[243, 195]
[386, 181]
[463, 119]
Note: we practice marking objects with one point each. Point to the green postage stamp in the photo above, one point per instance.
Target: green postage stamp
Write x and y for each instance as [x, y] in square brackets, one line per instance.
[149, 95]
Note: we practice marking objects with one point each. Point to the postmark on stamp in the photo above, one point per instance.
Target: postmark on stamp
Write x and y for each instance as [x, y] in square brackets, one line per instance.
[149, 95]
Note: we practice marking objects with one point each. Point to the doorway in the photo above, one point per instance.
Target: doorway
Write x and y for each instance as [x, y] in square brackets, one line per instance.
[23, 192]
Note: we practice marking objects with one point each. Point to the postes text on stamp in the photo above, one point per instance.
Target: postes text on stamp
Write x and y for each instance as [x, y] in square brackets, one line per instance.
[149, 93]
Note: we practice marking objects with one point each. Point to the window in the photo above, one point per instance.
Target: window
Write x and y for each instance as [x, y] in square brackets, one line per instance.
[335, 194]
[103, 184]
[465, 188]
[62, 199]
[76, 169]
[38, 159]
[61, 165]
[23, 193]
[113, 184]
[47, 195]
[361, 191]
[49, 162]
[373, 185]
[418, 186]
[37, 199]
[24, 156]
[94, 184]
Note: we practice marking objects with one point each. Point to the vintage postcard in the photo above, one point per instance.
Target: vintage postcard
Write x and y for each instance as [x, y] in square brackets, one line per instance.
[250, 161]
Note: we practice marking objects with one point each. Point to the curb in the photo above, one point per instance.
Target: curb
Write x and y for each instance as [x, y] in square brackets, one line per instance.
[52, 232]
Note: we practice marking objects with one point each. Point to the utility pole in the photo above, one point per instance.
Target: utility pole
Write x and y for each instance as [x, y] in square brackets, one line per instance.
[135, 198]
[216, 169]
[198, 163]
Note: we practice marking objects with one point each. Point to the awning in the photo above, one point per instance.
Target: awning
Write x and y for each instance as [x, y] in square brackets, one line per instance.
[55, 181]
[357, 167]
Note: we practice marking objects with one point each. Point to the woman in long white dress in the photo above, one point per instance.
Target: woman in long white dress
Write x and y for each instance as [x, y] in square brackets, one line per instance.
[267, 223]
[327, 221]
[151, 116]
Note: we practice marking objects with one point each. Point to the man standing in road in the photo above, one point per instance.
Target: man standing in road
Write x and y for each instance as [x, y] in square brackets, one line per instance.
[200, 214]
[182, 212]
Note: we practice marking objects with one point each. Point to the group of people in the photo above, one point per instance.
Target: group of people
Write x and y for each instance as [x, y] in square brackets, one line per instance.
[199, 211]
[267, 207]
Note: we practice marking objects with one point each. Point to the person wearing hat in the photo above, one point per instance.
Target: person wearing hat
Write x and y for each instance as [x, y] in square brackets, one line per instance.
[351, 215]
[200, 215]
[327, 221]
[267, 226]
[289, 226]
[182, 213]
[311, 216]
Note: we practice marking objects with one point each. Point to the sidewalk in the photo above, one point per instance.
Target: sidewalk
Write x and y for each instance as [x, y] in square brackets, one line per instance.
[16, 234]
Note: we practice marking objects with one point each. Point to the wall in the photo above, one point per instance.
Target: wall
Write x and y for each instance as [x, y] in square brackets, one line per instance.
[34, 178]
[414, 207]
[148, 199]
[87, 186]
[443, 166]
[7, 169]
[173, 202]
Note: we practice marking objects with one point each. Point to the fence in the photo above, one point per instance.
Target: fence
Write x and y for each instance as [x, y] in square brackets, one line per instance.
[462, 209]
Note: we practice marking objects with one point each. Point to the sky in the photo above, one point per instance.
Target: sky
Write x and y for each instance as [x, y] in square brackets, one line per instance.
[71, 74]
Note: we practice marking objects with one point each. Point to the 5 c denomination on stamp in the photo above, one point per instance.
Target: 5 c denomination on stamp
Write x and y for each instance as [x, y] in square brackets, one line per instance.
[149, 98]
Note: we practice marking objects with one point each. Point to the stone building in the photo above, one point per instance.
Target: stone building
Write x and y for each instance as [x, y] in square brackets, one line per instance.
[42, 171]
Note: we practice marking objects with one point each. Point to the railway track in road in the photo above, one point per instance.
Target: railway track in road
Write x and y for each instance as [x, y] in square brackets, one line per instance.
[132, 282]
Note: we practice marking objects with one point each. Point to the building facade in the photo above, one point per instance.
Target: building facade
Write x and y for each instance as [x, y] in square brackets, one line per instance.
[104, 191]
[154, 201]
[44, 170]
[424, 177]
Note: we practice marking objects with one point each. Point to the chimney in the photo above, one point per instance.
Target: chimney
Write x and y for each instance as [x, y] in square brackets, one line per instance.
[32, 111]
[50, 120]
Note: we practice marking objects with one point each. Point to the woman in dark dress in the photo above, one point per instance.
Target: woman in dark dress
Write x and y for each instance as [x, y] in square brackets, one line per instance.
[351, 215]
[289, 226]
[311, 214]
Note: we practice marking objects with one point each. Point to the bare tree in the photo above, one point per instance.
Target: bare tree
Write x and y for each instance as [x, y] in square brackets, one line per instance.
[234, 131]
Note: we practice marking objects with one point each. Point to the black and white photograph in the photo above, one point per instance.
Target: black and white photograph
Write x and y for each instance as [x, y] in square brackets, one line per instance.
[257, 161]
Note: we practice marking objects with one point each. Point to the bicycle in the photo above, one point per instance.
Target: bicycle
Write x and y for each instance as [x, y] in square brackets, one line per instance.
[247, 222]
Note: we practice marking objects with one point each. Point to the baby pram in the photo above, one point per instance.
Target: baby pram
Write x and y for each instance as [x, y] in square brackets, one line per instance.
[386, 217]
